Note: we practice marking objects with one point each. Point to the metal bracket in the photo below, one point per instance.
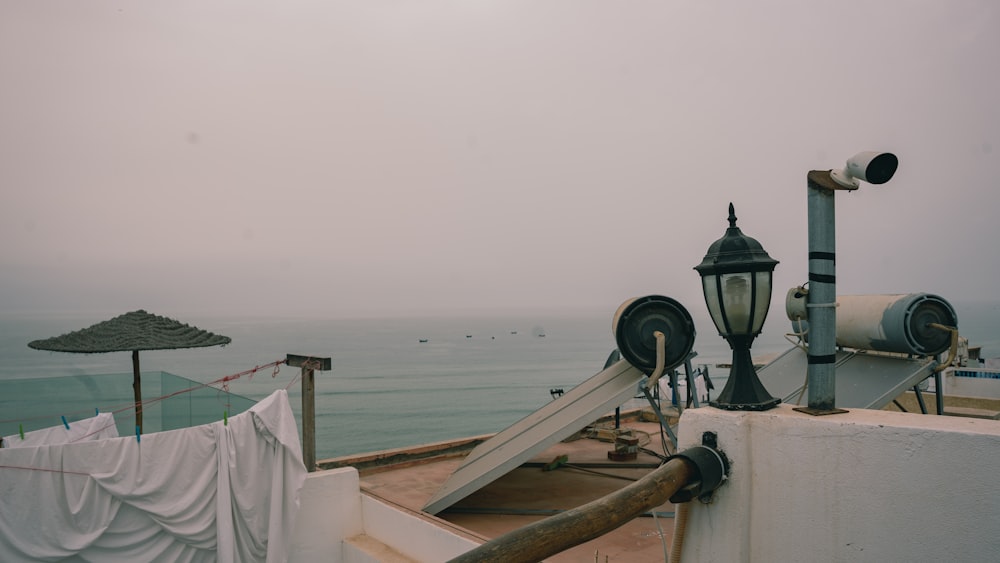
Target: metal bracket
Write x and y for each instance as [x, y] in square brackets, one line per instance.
[712, 466]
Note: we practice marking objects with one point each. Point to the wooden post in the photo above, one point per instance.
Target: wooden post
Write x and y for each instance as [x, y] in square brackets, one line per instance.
[548, 537]
[137, 389]
[309, 365]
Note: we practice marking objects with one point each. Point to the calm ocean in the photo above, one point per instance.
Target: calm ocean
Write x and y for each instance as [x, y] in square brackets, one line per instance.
[387, 389]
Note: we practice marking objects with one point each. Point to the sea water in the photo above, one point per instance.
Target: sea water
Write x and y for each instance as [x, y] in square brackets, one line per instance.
[388, 388]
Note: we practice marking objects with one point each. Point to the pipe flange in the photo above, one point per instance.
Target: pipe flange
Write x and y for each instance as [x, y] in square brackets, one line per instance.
[712, 469]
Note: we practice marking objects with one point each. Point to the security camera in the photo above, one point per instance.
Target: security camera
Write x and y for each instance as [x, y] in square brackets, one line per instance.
[871, 166]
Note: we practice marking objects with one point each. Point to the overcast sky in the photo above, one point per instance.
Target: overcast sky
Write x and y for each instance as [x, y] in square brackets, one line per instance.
[385, 157]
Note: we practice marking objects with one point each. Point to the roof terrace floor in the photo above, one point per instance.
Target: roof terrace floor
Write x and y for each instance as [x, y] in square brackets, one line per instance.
[530, 493]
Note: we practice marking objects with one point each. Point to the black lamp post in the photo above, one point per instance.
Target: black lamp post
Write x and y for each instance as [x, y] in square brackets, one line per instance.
[736, 279]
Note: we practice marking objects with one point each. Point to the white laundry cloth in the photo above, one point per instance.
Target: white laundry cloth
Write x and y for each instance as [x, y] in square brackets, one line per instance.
[208, 493]
[94, 428]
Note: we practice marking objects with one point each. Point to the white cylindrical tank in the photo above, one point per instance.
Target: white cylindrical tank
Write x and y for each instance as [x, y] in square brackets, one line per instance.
[893, 323]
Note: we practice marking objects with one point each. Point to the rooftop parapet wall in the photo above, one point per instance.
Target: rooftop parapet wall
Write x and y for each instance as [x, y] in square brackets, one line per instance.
[329, 513]
[863, 486]
[334, 515]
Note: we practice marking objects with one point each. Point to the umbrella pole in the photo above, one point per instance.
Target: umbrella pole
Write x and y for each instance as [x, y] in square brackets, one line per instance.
[137, 389]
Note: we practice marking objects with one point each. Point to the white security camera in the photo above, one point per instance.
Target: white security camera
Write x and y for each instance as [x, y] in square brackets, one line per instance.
[871, 166]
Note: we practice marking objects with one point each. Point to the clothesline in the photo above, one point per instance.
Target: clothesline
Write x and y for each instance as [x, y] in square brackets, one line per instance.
[222, 382]
[62, 471]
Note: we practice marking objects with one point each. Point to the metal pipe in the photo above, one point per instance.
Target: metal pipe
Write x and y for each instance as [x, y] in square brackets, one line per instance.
[920, 399]
[659, 414]
[821, 301]
[938, 392]
[692, 389]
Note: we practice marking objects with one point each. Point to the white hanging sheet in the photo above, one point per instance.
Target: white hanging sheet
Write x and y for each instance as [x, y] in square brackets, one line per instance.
[94, 428]
[207, 493]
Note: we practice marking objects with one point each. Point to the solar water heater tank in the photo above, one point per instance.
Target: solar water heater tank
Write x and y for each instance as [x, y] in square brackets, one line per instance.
[893, 323]
[637, 321]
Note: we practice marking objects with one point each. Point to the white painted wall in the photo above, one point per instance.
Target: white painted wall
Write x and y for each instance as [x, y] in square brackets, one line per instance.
[329, 513]
[333, 510]
[410, 534]
[970, 386]
[862, 486]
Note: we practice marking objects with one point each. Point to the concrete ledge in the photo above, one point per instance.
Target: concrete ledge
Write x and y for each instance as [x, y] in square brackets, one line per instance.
[400, 457]
[366, 549]
[972, 412]
[909, 401]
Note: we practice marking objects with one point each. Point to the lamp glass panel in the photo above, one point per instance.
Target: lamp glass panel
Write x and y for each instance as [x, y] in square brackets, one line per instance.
[736, 298]
[710, 288]
[763, 300]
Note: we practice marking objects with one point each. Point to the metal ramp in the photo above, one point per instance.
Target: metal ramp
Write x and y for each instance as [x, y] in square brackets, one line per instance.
[534, 433]
[865, 380]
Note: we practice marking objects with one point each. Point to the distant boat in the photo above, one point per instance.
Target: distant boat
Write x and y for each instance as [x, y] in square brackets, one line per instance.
[423, 340]
[468, 336]
[513, 332]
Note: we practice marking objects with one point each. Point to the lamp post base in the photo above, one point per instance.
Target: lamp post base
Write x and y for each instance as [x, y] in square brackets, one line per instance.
[819, 412]
[746, 406]
[743, 390]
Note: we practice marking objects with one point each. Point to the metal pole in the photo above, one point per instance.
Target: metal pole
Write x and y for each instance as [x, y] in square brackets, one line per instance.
[659, 414]
[692, 393]
[821, 301]
[920, 399]
[939, 392]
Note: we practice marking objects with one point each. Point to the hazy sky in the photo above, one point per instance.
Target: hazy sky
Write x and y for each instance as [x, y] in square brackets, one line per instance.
[386, 157]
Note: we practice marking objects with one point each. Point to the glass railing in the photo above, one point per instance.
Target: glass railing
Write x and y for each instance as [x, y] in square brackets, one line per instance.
[169, 402]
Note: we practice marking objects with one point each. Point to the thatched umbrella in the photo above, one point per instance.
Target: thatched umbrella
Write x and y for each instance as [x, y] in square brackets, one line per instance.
[133, 331]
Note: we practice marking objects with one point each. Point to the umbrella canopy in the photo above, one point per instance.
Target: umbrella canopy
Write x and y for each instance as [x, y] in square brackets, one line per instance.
[132, 332]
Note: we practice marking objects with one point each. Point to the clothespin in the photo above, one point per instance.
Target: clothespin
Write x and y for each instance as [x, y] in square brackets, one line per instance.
[138, 439]
[225, 418]
[20, 428]
[66, 424]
